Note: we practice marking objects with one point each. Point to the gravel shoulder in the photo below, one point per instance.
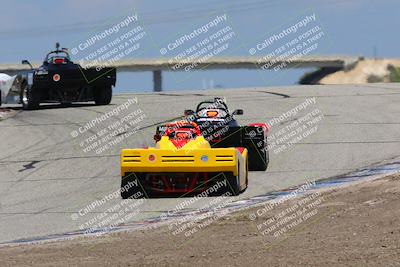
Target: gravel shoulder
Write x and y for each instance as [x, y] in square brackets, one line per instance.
[351, 226]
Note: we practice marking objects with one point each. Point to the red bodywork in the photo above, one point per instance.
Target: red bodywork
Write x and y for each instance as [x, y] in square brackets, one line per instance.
[180, 133]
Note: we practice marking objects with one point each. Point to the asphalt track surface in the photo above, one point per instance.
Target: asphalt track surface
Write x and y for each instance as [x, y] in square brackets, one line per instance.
[46, 177]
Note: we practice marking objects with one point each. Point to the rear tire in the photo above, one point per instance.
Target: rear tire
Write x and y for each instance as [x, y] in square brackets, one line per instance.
[233, 183]
[29, 97]
[247, 177]
[259, 161]
[102, 95]
[259, 158]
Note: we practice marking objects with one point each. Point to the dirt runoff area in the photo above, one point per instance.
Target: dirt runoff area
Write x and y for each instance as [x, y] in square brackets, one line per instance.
[361, 72]
[356, 225]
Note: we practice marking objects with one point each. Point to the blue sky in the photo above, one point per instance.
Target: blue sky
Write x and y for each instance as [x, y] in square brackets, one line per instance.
[28, 29]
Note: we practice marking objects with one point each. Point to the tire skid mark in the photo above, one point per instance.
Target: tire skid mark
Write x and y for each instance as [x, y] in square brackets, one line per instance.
[274, 93]
[29, 166]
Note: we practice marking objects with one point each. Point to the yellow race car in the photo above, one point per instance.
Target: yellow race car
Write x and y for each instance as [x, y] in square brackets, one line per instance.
[182, 162]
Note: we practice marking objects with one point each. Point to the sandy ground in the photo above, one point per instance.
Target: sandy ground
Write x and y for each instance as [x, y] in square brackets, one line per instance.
[353, 226]
[360, 73]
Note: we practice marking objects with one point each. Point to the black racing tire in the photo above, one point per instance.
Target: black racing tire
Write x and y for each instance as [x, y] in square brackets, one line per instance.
[130, 191]
[259, 158]
[247, 178]
[233, 183]
[102, 95]
[29, 97]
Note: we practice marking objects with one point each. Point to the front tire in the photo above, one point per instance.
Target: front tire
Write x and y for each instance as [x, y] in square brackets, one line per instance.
[102, 95]
[29, 97]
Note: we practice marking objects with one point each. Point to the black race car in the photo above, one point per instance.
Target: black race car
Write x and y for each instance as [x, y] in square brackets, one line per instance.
[219, 127]
[60, 80]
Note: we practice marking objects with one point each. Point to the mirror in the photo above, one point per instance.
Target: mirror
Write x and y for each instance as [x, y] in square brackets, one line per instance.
[238, 112]
[26, 62]
[157, 137]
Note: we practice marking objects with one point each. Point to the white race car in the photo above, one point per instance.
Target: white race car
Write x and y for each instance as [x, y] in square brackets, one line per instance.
[10, 88]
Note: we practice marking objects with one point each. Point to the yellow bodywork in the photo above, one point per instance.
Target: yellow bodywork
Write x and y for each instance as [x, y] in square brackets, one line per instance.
[195, 156]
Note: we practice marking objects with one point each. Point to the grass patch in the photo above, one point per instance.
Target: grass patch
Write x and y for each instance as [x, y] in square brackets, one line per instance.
[394, 75]
[375, 79]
